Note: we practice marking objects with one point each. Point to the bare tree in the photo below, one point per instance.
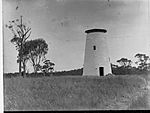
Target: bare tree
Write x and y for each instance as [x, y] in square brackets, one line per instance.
[21, 33]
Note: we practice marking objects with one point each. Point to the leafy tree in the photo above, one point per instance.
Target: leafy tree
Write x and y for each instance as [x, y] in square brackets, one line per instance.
[21, 33]
[35, 52]
[114, 66]
[48, 66]
[124, 62]
[124, 68]
[143, 61]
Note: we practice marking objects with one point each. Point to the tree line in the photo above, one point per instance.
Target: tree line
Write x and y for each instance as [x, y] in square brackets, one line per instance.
[124, 67]
[142, 65]
[32, 51]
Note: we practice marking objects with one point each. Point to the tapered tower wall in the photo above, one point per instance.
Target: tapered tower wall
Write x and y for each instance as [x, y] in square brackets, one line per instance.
[96, 59]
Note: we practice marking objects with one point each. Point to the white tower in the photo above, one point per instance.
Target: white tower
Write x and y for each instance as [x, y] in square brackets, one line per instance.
[96, 59]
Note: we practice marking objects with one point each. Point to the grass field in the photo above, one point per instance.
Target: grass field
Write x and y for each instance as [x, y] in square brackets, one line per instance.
[72, 93]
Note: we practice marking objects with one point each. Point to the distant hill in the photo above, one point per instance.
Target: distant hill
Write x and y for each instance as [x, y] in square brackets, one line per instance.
[79, 72]
[75, 72]
[70, 72]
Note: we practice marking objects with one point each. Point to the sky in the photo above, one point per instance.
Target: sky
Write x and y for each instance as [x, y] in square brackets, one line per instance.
[62, 23]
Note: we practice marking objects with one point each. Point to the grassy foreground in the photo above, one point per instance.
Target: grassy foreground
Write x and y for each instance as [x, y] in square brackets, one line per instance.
[72, 93]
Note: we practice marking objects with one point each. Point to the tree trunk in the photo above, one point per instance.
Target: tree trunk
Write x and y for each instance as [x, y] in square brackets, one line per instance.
[24, 68]
[20, 65]
[20, 52]
[35, 70]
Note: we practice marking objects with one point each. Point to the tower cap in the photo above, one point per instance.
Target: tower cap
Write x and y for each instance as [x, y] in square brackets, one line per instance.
[95, 30]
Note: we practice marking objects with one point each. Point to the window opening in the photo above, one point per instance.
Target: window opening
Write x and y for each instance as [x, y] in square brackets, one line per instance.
[94, 47]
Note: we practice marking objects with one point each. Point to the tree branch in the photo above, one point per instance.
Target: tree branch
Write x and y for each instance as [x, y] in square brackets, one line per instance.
[27, 36]
[27, 31]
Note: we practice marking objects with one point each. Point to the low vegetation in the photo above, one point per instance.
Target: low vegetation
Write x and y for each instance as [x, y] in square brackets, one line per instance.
[68, 92]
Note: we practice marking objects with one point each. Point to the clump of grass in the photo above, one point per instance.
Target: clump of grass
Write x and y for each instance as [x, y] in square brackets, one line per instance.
[59, 93]
[140, 103]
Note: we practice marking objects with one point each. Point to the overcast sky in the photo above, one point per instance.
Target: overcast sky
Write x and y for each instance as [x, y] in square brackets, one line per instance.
[62, 24]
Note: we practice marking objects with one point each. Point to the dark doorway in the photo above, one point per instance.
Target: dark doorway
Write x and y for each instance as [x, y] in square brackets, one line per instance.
[101, 71]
